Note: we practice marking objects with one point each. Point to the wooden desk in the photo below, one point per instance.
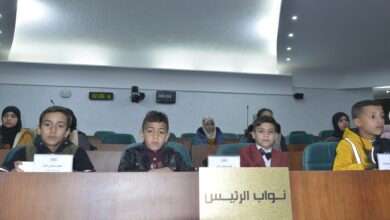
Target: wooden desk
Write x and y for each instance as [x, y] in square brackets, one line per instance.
[295, 160]
[296, 147]
[105, 161]
[200, 153]
[340, 194]
[314, 194]
[185, 141]
[99, 196]
[111, 147]
[95, 141]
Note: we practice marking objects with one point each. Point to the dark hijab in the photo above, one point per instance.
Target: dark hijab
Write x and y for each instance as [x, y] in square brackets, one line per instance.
[9, 134]
[73, 125]
[335, 119]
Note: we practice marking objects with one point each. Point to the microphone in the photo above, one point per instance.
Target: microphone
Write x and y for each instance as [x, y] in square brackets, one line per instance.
[247, 115]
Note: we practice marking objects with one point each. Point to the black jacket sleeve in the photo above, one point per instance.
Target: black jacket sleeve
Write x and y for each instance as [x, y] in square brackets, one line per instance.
[81, 161]
[18, 154]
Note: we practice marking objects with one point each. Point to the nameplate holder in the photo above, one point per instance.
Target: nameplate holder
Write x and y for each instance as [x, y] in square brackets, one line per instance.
[383, 161]
[53, 163]
[244, 193]
[223, 161]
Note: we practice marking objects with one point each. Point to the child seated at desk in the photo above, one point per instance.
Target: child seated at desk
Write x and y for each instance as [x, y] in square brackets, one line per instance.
[152, 154]
[54, 129]
[357, 151]
[262, 154]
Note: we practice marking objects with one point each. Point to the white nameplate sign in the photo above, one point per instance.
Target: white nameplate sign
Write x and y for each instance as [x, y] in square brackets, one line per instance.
[383, 161]
[53, 163]
[223, 161]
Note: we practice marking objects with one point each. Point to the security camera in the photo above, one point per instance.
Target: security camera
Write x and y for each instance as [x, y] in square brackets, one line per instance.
[136, 95]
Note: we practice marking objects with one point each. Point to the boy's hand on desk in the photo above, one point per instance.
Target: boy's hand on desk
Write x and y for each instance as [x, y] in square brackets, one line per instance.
[17, 169]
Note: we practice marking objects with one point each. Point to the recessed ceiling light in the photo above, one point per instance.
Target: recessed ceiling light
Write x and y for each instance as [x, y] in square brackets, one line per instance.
[387, 91]
[290, 35]
[288, 59]
[1, 31]
[294, 18]
[288, 48]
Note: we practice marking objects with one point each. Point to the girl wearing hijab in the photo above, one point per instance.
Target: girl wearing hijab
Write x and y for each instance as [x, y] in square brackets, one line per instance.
[208, 133]
[11, 132]
[340, 122]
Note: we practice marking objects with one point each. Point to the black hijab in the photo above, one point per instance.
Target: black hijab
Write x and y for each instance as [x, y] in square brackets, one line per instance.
[335, 119]
[9, 134]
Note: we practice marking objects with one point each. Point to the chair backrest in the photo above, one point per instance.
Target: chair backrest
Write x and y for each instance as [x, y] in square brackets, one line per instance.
[174, 145]
[11, 153]
[188, 135]
[297, 132]
[101, 134]
[230, 149]
[319, 156]
[325, 134]
[301, 139]
[172, 137]
[118, 139]
[244, 139]
[182, 150]
[230, 136]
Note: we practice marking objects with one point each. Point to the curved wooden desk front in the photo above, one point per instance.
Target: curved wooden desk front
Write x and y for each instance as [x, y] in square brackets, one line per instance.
[315, 195]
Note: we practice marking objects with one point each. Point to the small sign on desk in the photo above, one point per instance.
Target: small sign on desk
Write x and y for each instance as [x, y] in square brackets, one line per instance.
[244, 193]
[53, 163]
[383, 161]
[223, 161]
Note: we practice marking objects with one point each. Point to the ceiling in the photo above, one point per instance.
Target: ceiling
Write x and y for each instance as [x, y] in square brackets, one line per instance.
[335, 36]
[203, 35]
[249, 36]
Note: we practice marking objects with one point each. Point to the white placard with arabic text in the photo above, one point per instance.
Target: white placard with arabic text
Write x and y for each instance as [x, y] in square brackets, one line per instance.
[53, 163]
[383, 161]
[223, 161]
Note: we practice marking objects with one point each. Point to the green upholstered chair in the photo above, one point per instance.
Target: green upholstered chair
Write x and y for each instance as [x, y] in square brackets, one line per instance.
[118, 139]
[319, 156]
[174, 145]
[297, 132]
[301, 139]
[11, 153]
[188, 135]
[230, 149]
[325, 134]
[244, 139]
[230, 136]
[101, 134]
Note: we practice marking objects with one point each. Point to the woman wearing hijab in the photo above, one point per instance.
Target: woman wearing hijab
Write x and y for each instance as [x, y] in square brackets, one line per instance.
[11, 132]
[340, 122]
[208, 133]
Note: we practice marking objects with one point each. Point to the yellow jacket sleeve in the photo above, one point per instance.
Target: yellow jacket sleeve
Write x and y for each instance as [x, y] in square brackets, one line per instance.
[345, 159]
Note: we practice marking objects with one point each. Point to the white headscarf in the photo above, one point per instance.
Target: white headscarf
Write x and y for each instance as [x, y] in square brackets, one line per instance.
[212, 134]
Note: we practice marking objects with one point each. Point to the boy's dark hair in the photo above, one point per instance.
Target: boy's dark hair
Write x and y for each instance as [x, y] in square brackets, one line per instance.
[261, 111]
[155, 116]
[357, 108]
[60, 109]
[264, 119]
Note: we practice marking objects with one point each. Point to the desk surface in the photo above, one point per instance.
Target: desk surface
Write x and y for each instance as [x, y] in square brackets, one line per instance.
[314, 195]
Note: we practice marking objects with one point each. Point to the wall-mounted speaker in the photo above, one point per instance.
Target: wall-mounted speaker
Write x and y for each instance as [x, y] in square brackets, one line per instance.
[298, 96]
